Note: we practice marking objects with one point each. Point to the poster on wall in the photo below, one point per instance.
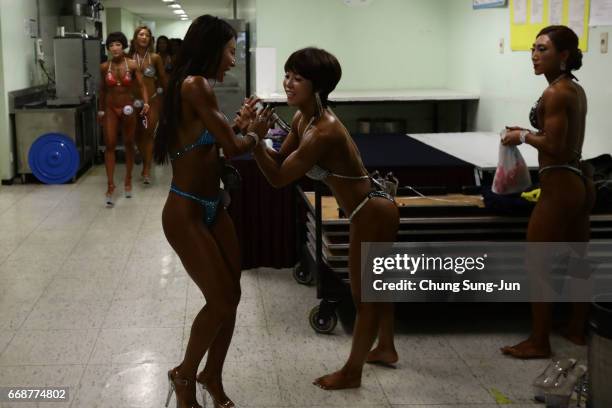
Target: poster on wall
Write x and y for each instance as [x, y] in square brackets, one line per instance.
[480, 4]
[601, 12]
[528, 17]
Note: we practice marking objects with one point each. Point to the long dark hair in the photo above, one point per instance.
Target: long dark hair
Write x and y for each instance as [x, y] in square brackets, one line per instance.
[200, 54]
[160, 39]
[133, 46]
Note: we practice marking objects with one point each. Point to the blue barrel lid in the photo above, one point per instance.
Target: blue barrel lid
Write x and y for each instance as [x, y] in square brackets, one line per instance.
[53, 158]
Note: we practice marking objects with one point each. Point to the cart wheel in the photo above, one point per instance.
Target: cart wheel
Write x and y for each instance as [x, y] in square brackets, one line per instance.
[301, 275]
[320, 323]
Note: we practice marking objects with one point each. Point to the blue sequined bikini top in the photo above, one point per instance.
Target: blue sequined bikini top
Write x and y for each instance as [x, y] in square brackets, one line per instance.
[205, 139]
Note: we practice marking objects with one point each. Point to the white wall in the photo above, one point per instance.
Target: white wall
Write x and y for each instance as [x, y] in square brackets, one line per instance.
[506, 83]
[387, 45]
[171, 28]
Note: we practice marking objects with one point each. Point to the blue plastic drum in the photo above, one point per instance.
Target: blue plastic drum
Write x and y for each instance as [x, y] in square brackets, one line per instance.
[53, 158]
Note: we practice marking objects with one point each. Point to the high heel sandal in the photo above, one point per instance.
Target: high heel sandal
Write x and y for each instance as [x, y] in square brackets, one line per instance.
[146, 180]
[127, 188]
[227, 404]
[108, 198]
[173, 381]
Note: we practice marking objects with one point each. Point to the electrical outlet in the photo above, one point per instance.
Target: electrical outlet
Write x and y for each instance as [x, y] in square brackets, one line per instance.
[604, 43]
[501, 45]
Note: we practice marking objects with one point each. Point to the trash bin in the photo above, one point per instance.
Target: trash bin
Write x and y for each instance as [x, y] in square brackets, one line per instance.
[600, 352]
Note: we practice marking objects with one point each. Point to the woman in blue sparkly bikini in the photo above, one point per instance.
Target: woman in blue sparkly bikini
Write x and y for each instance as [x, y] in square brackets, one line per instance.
[195, 222]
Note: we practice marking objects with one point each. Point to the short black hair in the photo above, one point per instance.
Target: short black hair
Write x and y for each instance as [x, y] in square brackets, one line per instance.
[318, 66]
[116, 36]
[564, 38]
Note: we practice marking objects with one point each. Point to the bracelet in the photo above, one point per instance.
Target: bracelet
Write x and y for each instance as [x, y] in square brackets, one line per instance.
[523, 135]
[101, 113]
[255, 137]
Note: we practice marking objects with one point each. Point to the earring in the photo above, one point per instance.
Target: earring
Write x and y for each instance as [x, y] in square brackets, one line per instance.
[319, 107]
[563, 66]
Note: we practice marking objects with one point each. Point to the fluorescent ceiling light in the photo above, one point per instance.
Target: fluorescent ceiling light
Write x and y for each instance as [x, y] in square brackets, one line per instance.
[184, 18]
[176, 6]
[181, 11]
[168, 1]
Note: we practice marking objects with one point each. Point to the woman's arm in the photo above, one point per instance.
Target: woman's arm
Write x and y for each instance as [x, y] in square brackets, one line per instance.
[199, 95]
[283, 172]
[102, 92]
[553, 138]
[140, 82]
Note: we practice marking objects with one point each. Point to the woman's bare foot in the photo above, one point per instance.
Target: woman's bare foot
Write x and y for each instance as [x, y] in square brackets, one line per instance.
[215, 390]
[339, 380]
[528, 349]
[379, 356]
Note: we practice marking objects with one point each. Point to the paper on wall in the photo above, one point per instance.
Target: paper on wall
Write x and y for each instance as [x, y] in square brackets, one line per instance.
[576, 16]
[601, 12]
[537, 11]
[556, 12]
[520, 11]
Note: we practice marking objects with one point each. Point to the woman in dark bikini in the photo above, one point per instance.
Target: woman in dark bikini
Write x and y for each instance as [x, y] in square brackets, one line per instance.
[154, 76]
[162, 47]
[567, 197]
[320, 147]
[194, 220]
[115, 108]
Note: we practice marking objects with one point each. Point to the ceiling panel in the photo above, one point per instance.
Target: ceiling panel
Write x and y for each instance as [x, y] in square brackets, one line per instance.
[158, 9]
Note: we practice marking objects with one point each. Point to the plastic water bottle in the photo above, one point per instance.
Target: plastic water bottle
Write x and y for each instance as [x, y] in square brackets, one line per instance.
[559, 394]
[549, 376]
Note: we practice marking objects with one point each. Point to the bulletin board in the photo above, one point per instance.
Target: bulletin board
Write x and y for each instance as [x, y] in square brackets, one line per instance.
[572, 13]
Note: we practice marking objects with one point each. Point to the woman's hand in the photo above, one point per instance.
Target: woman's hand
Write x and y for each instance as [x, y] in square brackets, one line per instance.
[246, 114]
[145, 109]
[262, 123]
[512, 137]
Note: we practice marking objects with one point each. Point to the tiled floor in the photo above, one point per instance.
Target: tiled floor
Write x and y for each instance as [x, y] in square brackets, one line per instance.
[95, 299]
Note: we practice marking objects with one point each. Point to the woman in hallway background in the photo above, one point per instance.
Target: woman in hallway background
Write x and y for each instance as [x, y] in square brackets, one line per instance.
[115, 109]
[162, 47]
[153, 71]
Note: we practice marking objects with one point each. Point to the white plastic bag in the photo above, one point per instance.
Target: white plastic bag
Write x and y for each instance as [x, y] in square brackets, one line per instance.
[512, 174]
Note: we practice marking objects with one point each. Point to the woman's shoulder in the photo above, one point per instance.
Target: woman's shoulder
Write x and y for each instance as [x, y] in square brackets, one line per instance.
[196, 87]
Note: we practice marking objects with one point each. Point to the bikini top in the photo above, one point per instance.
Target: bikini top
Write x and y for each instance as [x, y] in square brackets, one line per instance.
[205, 139]
[149, 71]
[112, 81]
[319, 173]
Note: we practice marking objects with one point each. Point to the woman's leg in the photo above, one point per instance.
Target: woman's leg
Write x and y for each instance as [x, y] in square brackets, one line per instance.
[580, 231]
[204, 263]
[545, 225]
[385, 353]
[111, 122]
[145, 141]
[367, 322]
[224, 234]
[128, 129]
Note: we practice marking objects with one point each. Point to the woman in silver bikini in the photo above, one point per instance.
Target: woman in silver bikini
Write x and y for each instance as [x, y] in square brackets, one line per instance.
[154, 78]
[320, 147]
[568, 194]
